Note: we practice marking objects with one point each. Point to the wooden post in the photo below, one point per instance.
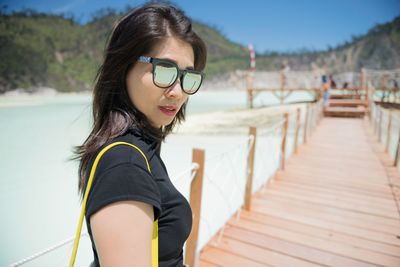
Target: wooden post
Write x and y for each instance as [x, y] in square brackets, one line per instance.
[250, 97]
[389, 130]
[306, 123]
[296, 135]
[367, 93]
[396, 155]
[284, 138]
[282, 78]
[380, 125]
[373, 115]
[377, 110]
[311, 118]
[196, 187]
[250, 168]
[320, 109]
[249, 87]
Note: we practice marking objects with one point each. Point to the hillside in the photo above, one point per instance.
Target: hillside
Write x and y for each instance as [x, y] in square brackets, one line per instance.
[47, 50]
[378, 49]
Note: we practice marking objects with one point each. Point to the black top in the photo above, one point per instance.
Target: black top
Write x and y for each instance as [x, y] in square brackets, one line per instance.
[122, 174]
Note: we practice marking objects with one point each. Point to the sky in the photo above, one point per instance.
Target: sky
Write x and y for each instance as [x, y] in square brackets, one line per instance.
[270, 25]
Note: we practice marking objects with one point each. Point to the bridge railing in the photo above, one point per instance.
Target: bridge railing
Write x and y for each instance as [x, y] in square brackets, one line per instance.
[386, 126]
[383, 85]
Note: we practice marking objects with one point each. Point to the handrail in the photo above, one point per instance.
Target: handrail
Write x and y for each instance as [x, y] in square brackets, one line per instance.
[45, 251]
[383, 119]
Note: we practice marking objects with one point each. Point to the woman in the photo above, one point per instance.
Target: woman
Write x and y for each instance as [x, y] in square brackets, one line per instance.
[152, 63]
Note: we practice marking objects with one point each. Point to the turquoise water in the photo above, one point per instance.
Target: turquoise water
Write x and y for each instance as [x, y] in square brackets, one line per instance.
[38, 197]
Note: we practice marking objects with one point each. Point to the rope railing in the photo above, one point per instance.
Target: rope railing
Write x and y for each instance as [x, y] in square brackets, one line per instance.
[45, 251]
[182, 176]
[224, 178]
[386, 126]
[267, 155]
[383, 85]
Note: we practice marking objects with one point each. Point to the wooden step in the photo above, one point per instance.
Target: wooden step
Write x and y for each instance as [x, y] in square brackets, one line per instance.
[345, 96]
[347, 102]
[348, 112]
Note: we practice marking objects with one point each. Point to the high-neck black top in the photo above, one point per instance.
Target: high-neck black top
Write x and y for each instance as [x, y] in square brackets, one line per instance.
[122, 175]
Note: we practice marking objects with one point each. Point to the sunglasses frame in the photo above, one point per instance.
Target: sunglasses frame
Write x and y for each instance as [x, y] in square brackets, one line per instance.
[181, 73]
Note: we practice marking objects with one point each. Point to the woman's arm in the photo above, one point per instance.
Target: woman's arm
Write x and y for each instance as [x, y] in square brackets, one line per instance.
[122, 233]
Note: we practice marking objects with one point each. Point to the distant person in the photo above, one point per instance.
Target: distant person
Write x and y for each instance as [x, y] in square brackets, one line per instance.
[332, 82]
[325, 89]
[152, 64]
[344, 87]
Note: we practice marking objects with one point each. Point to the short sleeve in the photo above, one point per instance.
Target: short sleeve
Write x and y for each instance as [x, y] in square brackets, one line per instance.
[125, 181]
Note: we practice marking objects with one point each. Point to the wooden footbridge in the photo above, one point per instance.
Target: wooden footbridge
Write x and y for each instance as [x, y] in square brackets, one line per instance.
[336, 203]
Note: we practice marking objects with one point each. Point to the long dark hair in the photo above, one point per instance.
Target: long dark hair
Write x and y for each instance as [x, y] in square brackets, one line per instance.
[136, 34]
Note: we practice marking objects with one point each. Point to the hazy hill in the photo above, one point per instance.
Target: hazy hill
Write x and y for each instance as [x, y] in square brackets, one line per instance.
[378, 49]
[46, 50]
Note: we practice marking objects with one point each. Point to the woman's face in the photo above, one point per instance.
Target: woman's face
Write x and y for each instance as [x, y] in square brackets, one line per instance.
[159, 105]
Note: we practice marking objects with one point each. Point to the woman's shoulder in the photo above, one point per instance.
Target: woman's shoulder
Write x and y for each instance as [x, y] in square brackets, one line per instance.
[130, 148]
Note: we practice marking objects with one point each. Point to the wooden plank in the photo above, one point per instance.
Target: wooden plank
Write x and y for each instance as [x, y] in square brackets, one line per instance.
[299, 189]
[261, 255]
[319, 243]
[300, 185]
[208, 264]
[347, 102]
[347, 96]
[314, 255]
[355, 230]
[335, 203]
[337, 185]
[339, 178]
[352, 112]
[224, 258]
[367, 221]
[326, 233]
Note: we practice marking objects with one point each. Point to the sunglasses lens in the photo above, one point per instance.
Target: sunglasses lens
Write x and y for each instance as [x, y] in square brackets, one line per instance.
[165, 74]
[191, 82]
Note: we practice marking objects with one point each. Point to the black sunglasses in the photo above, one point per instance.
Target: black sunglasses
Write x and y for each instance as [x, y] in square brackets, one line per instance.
[166, 72]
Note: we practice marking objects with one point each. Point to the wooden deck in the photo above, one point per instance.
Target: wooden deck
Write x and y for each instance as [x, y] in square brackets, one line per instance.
[332, 206]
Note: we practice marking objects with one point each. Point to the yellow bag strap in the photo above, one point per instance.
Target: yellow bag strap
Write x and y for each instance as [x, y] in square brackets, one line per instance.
[154, 241]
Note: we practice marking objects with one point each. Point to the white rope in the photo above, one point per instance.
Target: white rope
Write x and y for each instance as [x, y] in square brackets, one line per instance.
[271, 128]
[236, 147]
[193, 170]
[45, 251]
[269, 150]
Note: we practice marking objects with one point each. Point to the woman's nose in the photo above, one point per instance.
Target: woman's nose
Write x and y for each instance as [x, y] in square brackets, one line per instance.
[175, 91]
